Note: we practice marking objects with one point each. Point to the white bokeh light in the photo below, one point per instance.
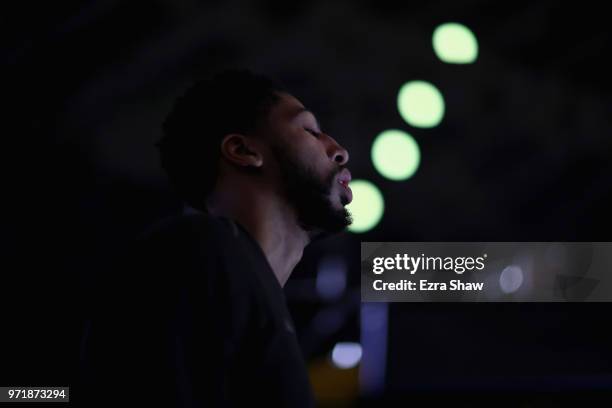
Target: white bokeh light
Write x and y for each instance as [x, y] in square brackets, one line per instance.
[346, 355]
[511, 279]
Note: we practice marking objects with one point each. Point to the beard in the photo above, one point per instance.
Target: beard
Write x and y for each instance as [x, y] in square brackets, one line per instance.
[311, 197]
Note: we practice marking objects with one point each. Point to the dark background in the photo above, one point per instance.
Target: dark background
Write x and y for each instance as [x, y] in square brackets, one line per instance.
[523, 154]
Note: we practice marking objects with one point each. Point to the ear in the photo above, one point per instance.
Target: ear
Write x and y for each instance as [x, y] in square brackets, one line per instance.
[241, 150]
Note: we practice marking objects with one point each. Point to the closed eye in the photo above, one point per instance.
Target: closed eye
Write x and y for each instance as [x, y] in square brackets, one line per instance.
[312, 132]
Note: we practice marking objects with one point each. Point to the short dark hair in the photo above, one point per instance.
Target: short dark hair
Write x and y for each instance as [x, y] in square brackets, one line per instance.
[233, 101]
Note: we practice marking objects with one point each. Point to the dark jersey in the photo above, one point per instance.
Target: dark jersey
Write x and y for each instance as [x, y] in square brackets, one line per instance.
[193, 316]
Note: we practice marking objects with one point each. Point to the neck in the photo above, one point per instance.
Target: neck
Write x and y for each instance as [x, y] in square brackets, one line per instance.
[268, 219]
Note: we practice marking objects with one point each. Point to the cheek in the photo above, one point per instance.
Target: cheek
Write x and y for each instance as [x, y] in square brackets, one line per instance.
[305, 151]
[320, 166]
[309, 152]
[314, 153]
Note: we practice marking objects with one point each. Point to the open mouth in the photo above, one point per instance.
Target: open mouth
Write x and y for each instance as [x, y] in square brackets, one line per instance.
[344, 179]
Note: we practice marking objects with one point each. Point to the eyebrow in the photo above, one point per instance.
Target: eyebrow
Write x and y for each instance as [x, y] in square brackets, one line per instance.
[304, 110]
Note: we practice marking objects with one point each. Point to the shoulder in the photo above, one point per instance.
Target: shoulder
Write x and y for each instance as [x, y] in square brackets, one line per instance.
[184, 235]
[174, 248]
[195, 256]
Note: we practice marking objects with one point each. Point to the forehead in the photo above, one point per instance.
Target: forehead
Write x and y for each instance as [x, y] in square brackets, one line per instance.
[288, 107]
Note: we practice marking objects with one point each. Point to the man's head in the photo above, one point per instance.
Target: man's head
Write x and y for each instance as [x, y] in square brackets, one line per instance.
[241, 125]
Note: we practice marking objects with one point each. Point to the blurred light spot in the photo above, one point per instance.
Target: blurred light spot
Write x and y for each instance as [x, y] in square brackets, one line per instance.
[420, 104]
[373, 317]
[346, 355]
[331, 277]
[511, 279]
[454, 43]
[395, 154]
[367, 207]
[374, 331]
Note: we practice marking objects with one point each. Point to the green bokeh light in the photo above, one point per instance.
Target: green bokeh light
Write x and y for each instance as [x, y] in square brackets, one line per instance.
[395, 154]
[454, 43]
[420, 104]
[367, 207]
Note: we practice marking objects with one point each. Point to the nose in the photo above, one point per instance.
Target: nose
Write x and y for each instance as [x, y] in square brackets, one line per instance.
[336, 152]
